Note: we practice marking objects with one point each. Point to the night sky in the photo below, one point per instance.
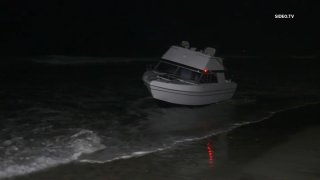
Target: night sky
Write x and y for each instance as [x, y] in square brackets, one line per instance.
[147, 28]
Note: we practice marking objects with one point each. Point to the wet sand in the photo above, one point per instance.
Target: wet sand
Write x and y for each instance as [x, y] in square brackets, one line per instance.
[299, 158]
[285, 146]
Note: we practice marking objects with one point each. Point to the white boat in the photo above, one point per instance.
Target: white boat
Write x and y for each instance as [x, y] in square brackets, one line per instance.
[186, 76]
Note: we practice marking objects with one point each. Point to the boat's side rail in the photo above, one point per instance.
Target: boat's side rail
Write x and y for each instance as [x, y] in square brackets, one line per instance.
[178, 66]
[169, 77]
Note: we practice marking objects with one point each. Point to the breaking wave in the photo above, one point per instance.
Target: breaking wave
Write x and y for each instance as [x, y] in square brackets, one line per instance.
[29, 155]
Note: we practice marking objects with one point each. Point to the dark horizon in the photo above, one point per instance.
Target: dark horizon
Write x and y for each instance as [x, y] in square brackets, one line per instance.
[146, 28]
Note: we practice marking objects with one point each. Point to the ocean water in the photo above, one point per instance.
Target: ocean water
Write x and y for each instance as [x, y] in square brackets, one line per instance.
[56, 110]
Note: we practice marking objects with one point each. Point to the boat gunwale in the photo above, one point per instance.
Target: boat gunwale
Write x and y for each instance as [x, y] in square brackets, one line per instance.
[226, 89]
[189, 93]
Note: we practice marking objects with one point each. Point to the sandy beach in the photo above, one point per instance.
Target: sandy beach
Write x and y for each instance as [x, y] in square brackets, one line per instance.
[298, 158]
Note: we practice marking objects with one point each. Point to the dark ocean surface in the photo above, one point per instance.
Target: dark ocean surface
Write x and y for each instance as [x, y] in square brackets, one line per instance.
[95, 112]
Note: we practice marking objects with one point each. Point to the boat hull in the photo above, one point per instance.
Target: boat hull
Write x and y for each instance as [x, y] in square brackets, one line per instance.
[186, 94]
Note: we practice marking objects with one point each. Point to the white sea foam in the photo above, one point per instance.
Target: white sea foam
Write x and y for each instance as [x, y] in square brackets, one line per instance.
[174, 144]
[25, 160]
[126, 156]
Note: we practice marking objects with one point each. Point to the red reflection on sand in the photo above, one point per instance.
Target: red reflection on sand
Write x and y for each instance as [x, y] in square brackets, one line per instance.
[210, 153]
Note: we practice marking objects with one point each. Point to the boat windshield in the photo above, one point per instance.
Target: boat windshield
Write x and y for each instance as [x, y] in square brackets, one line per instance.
[186, 74]
[178, 72]
[166, 68]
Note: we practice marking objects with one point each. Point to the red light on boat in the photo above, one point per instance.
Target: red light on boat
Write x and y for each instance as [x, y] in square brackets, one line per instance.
[205, 70]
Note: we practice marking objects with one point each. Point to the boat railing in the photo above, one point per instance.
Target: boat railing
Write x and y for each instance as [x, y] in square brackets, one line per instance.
[167, 76]
[172, 77]
[181, 66]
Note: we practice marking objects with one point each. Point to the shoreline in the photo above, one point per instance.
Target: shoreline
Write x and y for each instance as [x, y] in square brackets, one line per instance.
[264, 150]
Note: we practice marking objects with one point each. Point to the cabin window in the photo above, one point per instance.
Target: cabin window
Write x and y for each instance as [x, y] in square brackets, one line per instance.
[186, 74]
[209, 78]
[166, 68]
[179, 71]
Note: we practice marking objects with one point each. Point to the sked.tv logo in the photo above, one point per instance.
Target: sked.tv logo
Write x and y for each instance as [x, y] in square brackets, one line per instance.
[285, 16]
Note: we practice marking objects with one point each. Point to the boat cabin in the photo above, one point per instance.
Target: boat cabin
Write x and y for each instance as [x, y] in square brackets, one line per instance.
[191, 66]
